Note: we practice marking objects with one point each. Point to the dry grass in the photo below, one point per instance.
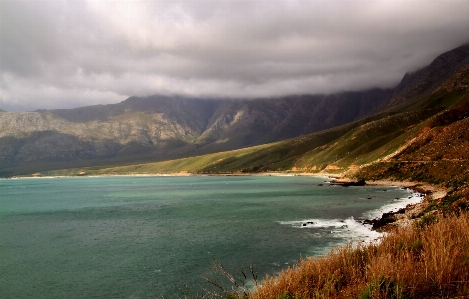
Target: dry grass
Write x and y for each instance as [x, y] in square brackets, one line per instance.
[423, 261]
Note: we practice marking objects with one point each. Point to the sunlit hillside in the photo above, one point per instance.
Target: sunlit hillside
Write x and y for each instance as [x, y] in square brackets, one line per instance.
[379, 138]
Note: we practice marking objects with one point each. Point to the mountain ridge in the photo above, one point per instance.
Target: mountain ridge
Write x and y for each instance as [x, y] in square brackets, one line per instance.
[423, 81]
[159, 128]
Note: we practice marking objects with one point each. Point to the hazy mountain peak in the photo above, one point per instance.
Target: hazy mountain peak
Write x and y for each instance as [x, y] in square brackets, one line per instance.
[426, 80]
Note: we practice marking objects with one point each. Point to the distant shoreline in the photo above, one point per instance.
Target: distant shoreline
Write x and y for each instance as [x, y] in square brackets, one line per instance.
[402, 218]
[178, 174]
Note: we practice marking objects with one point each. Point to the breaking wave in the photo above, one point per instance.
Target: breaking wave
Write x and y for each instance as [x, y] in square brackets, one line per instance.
[351, 229]
[397, 204]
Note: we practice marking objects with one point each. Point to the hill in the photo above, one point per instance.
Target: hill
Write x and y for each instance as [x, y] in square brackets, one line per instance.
[382, 137]
[423, 139]
[353, 128]
[159, 128]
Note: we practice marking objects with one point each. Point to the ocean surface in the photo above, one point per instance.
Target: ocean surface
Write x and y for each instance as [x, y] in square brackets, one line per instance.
[141, 237]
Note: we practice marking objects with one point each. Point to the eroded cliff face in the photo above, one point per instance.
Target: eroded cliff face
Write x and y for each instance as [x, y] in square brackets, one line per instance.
[157, 128]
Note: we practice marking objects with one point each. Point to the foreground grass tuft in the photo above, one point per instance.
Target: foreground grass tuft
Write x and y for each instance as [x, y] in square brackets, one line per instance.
[430, 259]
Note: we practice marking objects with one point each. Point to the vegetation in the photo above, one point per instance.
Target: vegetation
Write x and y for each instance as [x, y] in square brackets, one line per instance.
[427, 260]
[337, 150]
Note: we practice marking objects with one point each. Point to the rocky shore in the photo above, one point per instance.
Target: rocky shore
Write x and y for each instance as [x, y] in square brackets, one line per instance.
[404, 216]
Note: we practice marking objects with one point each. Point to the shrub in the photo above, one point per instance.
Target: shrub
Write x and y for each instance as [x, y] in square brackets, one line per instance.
[425, 220]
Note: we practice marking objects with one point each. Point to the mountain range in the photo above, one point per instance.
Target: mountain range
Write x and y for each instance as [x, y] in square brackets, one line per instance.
[158, 128]
[313, 133]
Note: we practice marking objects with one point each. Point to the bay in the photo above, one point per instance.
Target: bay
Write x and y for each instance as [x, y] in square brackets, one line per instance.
[141, 237]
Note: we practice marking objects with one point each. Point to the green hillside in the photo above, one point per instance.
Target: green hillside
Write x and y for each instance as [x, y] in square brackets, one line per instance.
[161, 128]
[376, 138]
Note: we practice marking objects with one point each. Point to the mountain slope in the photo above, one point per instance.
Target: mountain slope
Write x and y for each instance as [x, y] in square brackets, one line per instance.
[423, 82]
[160, 128]
[433, 128]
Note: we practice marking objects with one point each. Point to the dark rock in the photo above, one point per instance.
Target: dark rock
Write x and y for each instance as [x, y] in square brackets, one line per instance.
[307, 222]
[400, 211]
[347, 184]
[386, 218]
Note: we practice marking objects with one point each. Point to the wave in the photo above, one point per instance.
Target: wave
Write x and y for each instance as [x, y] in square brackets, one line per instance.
[351, 229]
[318, 223]
[397, 204]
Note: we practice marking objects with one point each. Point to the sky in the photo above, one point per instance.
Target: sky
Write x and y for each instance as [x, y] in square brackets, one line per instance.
[72, 53]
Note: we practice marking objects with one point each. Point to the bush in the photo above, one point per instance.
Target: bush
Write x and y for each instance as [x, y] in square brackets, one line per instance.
[425, 220]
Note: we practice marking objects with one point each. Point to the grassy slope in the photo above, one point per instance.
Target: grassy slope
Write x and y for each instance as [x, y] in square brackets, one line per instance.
[333, 150]
[437, 155]
[428, 260]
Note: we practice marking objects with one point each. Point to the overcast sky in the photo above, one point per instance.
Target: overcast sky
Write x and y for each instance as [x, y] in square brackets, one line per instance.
[70, 53]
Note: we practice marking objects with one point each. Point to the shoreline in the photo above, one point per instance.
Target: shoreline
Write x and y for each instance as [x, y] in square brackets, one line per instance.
[391, 220]
[176, 174]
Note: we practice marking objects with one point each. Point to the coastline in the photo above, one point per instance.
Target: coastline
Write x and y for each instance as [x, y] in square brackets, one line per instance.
[405, 215]
[176, 174]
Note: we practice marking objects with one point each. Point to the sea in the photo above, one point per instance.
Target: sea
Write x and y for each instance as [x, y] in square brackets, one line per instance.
[159, 236]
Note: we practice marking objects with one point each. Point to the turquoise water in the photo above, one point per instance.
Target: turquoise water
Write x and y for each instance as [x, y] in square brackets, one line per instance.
[137, 237]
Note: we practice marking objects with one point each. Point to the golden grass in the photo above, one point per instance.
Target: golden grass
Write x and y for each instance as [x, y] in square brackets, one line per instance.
[426, 261]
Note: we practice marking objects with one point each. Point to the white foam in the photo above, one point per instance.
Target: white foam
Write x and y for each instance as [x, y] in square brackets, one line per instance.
[318, 223]
[349, 228]
[356, 231]
[397, 204]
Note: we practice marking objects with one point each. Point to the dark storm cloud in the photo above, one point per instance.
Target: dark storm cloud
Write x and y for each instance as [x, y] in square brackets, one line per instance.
[73, 53]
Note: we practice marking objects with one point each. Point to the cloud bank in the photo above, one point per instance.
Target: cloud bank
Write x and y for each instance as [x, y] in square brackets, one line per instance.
[62, 54]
